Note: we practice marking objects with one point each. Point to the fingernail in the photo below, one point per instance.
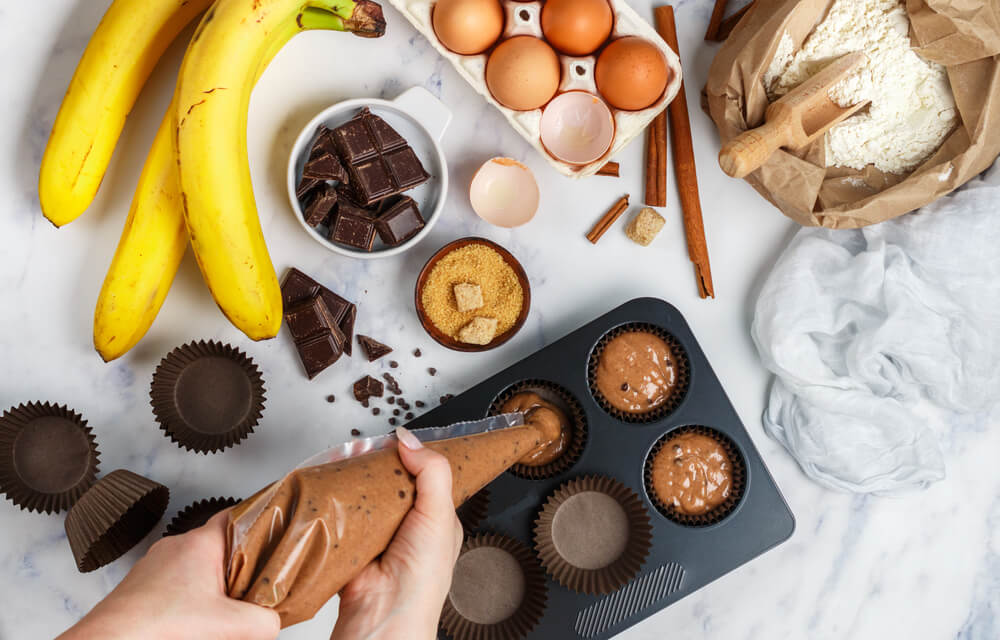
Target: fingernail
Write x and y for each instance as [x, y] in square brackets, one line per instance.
[409, 440]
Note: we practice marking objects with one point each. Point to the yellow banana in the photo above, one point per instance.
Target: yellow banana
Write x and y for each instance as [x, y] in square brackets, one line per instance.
[155, 237]
[213, 94]
[127, 44]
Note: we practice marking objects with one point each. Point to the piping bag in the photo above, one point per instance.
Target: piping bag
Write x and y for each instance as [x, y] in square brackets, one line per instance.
[297, 542]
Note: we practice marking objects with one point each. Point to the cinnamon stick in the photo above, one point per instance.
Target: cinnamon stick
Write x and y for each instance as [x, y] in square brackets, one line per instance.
[718, 11]
[608, 219]
[727, 25]
[684, 167]
[656, 162]
[611, 169]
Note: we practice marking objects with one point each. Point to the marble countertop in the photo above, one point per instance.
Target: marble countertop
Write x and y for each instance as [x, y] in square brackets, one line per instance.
[922, 566]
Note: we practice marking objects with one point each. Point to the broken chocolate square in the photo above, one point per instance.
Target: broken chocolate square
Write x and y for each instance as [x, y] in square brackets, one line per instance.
[373, 348]
[368, 387]
[400, 223]
[318, 353]
[347, 328]
[297, 286]
[354, 231]
[309, 317]
[325, 167]
[321, 206]
[305, 188]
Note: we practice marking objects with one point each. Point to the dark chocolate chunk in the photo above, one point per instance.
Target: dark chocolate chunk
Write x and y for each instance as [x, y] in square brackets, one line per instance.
[373, 348]
[310, 317]
[372, 181]
[405, 169]
[400, 223]
[367, 387]
[318, 353]
[297, 286]
[321, 206]
[325, 167]
[337, 305]
[347, 328]
[386, 138]
[355, 433]
[305, 188]
[392, 384]
[350, 207]
[353, 141]
[354, 231]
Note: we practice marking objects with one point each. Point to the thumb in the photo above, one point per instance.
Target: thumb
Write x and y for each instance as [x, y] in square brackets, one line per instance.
[433, 474]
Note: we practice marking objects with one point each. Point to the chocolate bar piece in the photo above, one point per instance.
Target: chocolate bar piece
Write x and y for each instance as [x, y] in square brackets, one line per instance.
[318, 353]
[354, 231]
[349, 206]
[347, 328]
[337, 305]
[325, 167]
[296, 287]
[379, 161]
[373, 348]
[368, 387]
[321, 206]
[306, 185]
[400, 222]
[310, 317]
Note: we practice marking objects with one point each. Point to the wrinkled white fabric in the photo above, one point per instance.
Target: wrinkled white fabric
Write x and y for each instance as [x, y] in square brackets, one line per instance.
[882, 338]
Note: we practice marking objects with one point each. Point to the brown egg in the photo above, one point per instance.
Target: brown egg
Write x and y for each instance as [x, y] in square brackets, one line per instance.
[523, 73]
[631, 73]
[468, 27]
[577, 27]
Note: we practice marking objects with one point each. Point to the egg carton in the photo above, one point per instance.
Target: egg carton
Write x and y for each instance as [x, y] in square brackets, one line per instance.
[524, 18]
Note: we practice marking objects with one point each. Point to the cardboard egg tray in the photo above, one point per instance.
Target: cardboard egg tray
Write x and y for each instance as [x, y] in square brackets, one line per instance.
[524, 18]
[682, 558]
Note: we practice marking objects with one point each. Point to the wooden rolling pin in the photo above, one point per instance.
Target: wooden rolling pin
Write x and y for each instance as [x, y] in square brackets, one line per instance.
[793, 121]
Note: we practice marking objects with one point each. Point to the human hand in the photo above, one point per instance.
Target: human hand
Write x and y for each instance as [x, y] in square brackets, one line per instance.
[401, 594]
[177, 591]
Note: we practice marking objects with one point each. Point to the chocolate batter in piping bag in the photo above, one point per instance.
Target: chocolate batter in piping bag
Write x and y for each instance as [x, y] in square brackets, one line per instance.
[296, 543]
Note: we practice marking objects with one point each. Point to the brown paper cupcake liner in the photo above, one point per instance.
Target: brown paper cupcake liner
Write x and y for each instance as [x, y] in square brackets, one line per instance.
[719, 513]
[609, 578]
[48, 456]
[474, 510]
[177, 415]
[197, 514]
[565, 401]
[112, 517]
[681, 382]
[524, 619]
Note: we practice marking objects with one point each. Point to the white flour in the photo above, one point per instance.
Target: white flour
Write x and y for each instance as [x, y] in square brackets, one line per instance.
[912, 108]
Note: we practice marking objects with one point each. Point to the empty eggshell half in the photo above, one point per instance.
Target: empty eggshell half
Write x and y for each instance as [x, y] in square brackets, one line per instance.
[504, 193]
[577, 127]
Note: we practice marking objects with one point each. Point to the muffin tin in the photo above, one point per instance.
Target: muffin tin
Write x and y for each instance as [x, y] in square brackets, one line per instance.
[523, 18]
[683, 557]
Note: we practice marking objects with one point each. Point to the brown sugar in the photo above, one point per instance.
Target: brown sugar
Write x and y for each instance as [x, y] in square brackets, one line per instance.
[479, 264]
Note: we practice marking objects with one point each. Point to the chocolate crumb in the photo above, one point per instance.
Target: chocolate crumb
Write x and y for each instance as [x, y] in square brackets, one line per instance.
[392, 384]
[432, 371]
[331, 398]
[402, 494]
[355, 433]
[420, 403]
[417, 353]
[393, 364]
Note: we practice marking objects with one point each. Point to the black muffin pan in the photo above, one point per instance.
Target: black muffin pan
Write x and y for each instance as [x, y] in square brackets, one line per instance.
[683, 558]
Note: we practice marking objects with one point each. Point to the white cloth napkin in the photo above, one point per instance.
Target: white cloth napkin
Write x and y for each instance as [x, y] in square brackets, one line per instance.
[882, 338]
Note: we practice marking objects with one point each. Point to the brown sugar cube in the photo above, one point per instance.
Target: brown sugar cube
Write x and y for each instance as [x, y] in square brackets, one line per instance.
[468, 296]
[645, 226]
[480, 331]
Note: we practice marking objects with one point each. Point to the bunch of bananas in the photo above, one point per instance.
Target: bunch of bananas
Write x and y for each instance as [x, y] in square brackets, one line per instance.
[196, 181]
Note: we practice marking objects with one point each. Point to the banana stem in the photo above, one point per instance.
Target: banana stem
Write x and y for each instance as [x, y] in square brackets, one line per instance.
[361, 17]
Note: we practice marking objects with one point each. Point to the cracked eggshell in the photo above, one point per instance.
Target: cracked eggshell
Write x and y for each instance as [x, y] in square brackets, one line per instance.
[504, 193]
[577, 127]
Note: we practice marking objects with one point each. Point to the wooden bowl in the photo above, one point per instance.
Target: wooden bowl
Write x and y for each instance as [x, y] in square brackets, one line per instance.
[447, 340]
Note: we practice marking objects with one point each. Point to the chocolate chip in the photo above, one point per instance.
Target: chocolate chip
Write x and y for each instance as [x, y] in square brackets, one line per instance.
[417, 353]
[393, 364]
[392, 421]
[391, 399]
[409, 416]
[376, 411]
[420, 403]
[432, 371]
[624, 386]
[396, 412]
[355, 432]
[402, 494]
[331, 398]
[446, 397]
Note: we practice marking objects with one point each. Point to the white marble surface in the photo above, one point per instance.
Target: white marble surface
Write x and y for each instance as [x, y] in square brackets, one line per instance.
[923, 566]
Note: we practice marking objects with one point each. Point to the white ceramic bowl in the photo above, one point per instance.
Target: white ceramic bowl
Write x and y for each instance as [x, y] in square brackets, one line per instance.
[421, 119]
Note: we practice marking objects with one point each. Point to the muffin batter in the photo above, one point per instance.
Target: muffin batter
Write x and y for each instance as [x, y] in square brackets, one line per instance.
[550, 420]
[692, 473]
[636, 372]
